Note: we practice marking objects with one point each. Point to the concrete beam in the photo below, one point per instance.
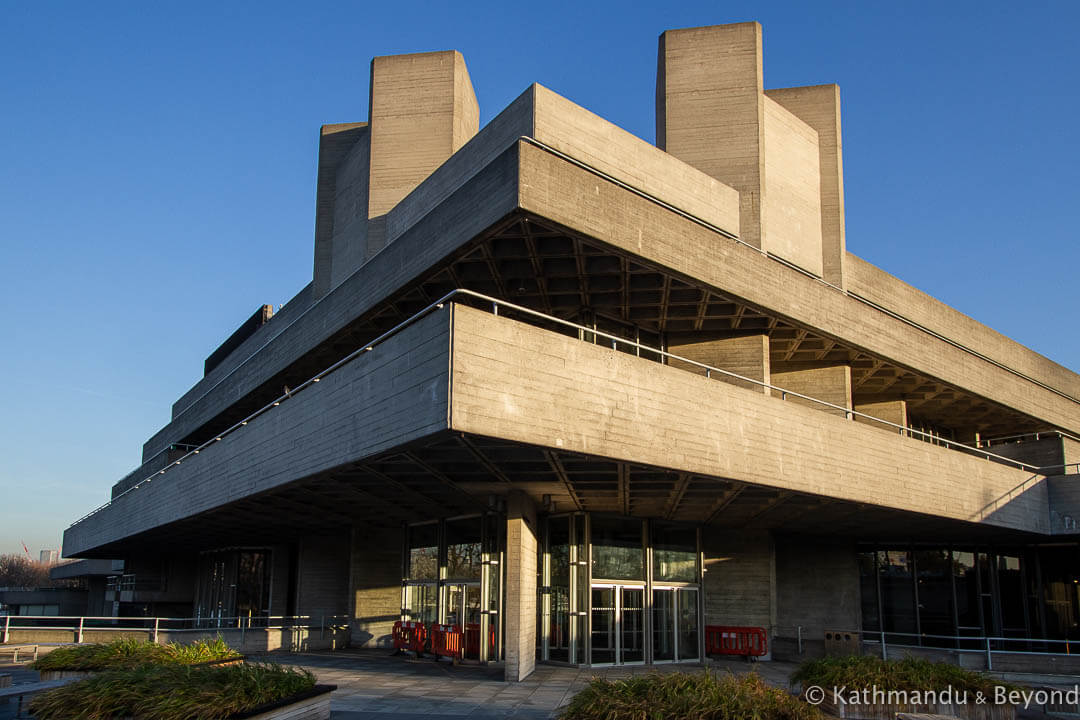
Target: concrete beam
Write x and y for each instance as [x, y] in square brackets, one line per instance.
[745, 355]
[831, 384]
[894, 411]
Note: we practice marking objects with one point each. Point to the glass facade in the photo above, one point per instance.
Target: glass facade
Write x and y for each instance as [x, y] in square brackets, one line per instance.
[618, 590]
[454, 575]
[233, 583]
[1021, 598]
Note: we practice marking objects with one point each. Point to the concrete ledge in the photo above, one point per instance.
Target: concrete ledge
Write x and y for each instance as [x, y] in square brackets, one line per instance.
[520, 383]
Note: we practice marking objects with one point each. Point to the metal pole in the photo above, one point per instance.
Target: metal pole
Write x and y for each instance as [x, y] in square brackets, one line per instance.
[322, 627]
[799, 629]
[884, 650]
[989, 656]
[156, 621]
[80, 630]
[7, 627]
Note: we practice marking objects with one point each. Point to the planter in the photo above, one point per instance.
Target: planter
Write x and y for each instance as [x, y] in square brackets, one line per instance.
[874, 711]
[47, 675]
[311, 705]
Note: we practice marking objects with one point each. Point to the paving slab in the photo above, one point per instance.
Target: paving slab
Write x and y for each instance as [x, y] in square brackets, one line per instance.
[375, 685]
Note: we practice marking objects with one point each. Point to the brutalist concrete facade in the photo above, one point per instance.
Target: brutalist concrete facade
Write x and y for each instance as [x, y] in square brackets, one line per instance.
[584, 396]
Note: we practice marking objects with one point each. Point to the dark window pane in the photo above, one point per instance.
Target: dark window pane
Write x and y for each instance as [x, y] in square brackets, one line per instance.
[424, 552]
[868, 590]
[674, 553]
[617, 551]
[1011, 593]
[463, 548]
[897, 595]
[935, 596]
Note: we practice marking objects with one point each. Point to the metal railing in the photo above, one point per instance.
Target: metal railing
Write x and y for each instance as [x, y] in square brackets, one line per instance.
[79, 625]
[583, 331]
[985, 645]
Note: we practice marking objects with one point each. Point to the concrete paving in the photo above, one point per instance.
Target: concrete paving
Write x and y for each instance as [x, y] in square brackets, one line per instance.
[373, 685]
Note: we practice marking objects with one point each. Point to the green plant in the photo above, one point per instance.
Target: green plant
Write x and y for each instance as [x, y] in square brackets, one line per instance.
[129, 653]
[686, 696]
[908, 674]
[172, 692]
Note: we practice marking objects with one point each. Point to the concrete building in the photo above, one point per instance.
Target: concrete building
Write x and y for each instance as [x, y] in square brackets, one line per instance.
[586, 395]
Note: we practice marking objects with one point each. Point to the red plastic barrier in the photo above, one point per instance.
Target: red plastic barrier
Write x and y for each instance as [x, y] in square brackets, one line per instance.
[472, 640]
[446, 641]
[733, 640]
[409, 635]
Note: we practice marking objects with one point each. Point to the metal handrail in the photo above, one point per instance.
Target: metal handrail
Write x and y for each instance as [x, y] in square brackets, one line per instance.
[986, 642]
[81, 624]
[615, 341]
[987, 442]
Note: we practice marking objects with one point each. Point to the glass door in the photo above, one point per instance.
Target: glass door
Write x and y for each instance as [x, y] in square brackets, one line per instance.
[618, 624]
[463, 608]
[675, 624]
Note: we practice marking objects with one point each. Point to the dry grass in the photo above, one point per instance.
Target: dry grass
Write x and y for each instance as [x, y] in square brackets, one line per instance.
[172, 692]
[687, 696]
[126, 653]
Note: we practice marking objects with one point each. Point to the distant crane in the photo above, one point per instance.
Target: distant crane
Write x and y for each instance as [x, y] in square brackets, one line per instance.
[27, 551]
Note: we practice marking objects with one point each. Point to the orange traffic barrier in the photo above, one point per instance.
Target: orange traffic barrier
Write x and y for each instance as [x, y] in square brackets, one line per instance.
[733, 640]
[446, 641]
[409, 635]
[472, 639]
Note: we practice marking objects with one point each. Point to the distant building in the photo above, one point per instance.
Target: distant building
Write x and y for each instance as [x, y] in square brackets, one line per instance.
[49, 557]
[587, 395]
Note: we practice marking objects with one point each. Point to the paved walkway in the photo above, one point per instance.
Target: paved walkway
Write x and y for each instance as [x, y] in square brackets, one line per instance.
[374, 686]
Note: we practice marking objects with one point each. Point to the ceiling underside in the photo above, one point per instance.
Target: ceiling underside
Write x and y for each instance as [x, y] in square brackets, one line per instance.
[452, 474]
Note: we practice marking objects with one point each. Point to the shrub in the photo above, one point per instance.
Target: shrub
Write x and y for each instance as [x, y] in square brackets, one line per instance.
[128, 653]
[679, 696]
[908, 674]
[172, 692]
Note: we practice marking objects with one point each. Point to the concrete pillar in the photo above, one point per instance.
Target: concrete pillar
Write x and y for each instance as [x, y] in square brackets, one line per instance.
[375, 582]
[712, 112]
[740, 578]
[521, 548]
[817, 589]
[746, 355]
[322, 584]
[894, 411]
[831, 384]
[819, 107]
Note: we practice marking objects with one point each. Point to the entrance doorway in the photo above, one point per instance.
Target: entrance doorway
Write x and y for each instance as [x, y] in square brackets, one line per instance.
[464, 608]
[618, 624]
[675, 624]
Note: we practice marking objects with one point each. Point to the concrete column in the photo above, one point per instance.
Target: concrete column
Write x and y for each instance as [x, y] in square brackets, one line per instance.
[819, 107]
[894, 411]
[520, 619]
[746, 355]
[322, 585]
[831, 384]
[817, 589]
[375, 582]
[740, 578]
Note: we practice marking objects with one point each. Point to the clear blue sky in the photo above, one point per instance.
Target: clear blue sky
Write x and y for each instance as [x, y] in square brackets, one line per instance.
[157, 176]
